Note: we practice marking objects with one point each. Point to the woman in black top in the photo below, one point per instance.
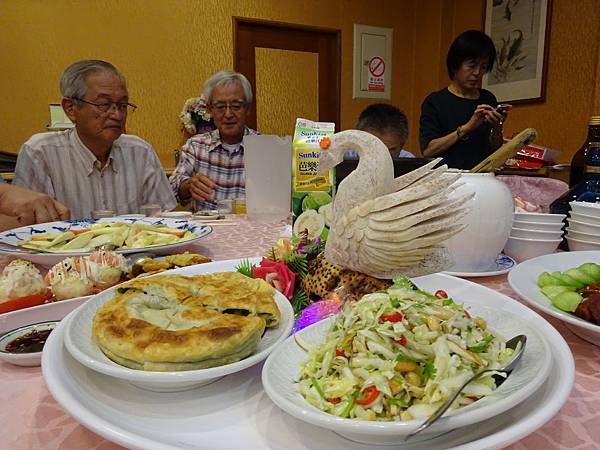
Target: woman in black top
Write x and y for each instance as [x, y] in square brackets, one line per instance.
[461, 123]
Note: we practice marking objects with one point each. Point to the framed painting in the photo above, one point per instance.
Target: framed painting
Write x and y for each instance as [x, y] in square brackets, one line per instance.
[520, 30]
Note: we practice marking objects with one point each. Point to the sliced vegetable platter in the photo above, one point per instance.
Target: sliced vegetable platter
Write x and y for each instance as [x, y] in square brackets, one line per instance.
[524, 280]
[57, 240]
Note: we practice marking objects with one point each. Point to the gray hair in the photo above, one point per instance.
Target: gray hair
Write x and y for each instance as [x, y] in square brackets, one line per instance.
[73, 80]
[223, 78]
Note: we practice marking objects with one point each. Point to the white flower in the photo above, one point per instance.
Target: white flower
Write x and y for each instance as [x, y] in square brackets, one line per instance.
[194, 112]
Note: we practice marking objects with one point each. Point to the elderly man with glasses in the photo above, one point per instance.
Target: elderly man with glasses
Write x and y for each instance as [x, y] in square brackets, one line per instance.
[211, 165]
[94, 166]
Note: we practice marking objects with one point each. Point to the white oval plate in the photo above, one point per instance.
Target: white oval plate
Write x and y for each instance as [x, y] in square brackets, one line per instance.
[20, 235]
[83, 348]
[282, 369]
[523, 280]
[236, 410]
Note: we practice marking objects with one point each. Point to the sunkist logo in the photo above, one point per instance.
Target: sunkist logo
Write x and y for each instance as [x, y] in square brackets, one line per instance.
[309, 155]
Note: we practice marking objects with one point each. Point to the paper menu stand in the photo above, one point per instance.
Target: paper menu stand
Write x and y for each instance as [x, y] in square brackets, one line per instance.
[58, 119]
[268, 162]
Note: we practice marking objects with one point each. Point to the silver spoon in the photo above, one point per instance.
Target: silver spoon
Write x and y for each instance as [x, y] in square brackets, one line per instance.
[517, 343]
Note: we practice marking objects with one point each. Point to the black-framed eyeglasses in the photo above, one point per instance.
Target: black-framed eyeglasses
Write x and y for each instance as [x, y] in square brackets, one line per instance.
[235, 107]
[105, 107]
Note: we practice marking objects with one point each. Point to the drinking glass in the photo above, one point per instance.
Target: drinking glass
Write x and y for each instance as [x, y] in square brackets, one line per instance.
[100, 213]
[151, 210]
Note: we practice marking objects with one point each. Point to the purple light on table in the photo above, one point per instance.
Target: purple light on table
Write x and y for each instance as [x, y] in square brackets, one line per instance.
[317, 311]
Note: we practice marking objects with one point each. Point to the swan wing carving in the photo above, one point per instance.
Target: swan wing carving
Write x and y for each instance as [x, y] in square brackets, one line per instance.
[383, 226]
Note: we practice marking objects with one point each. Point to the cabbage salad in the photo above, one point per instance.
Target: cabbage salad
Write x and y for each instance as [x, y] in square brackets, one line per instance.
[397, 355]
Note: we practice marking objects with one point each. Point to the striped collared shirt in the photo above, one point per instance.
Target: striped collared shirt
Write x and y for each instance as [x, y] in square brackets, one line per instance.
[60, 165]
[222, 163]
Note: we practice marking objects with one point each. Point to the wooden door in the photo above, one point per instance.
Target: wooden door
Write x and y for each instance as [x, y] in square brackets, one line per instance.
[309, 60]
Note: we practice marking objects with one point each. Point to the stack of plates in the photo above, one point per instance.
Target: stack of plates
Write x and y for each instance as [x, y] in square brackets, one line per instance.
[534, 234]
[583, 232]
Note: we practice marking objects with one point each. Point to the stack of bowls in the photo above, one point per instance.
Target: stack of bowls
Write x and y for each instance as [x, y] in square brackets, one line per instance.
[534, 234]
[583, 232]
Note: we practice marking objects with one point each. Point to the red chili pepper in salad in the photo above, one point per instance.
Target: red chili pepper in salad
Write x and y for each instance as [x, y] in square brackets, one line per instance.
[441, 294]
[401, 341]
[393, 317]
[334, 400]
[369, 395]
[339, 352]
[24, 302]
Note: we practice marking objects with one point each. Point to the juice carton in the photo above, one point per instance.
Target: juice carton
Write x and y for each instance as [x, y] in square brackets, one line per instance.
[312, 194]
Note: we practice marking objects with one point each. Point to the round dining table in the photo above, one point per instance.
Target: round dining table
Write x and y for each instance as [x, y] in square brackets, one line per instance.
[30, 418]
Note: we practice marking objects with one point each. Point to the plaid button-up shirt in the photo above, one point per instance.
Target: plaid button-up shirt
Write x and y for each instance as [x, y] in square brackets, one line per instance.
[223, 164]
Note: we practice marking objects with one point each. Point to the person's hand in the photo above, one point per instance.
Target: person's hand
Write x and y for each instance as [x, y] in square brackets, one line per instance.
[496, 117]
[478, 118]
[202, 187]
[31, 207]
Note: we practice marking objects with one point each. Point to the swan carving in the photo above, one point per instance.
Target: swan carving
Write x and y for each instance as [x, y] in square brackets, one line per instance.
[384, 226]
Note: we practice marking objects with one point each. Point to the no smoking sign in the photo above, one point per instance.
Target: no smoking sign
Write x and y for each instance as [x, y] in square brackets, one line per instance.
[376, 80]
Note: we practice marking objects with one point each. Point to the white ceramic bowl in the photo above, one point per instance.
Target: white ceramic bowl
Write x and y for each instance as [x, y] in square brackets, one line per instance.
[80, 342]
[587, 208]
[583, 227]
[24, 358]
[282, 369]
[535, 234]
[538, 217]
[176, 214]
[577, 245]
[585, 218]
[26, 318]
[542, 226]
[521, 249]
[581, 236]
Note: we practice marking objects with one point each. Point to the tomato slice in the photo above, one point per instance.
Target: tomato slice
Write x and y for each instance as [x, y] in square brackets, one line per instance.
[339, 352]
[401, 341]
[441, 294]
[24, 302]
[393, 317]
[369, 395]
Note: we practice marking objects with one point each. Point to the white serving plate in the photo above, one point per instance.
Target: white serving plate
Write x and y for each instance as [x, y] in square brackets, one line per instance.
[587, 208]
[542, 226]
[19, 235]
[82, 346]
[235, 409]
[538, 217]
[523, 280]
[282, 368]
[28, 317]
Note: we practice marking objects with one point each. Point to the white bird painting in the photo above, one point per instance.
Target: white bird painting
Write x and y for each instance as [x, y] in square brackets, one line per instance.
[384, 226]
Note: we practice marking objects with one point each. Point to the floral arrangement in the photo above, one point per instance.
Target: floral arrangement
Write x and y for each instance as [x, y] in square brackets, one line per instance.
[285, 265]
[195, 116]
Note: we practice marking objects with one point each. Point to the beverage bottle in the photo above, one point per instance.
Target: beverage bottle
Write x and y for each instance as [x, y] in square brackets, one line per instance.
[587, 185]
[578, 160]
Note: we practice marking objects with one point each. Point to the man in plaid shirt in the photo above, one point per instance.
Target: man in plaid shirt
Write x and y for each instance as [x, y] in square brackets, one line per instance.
[211, 165]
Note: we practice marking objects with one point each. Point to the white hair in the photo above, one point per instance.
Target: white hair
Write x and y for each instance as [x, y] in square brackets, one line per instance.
[223, 78]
